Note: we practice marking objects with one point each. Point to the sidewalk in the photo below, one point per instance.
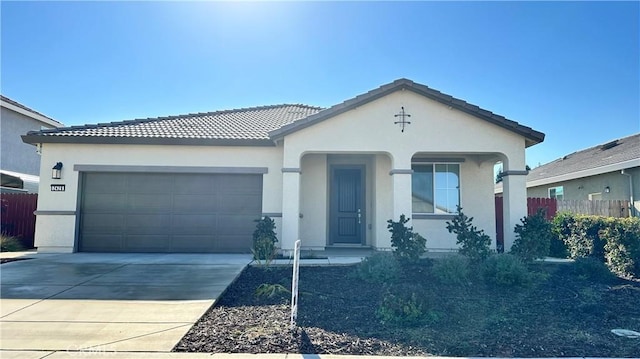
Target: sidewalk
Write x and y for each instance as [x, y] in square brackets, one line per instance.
[153, 355]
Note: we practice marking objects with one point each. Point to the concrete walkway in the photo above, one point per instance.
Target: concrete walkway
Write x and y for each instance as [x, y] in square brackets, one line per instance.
[98, 303]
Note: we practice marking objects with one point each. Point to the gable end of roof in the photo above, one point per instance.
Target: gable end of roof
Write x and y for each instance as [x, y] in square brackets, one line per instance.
[532, 136]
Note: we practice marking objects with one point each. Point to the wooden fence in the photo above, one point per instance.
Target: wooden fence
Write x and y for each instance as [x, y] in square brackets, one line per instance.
[607, 208]
[17, 216]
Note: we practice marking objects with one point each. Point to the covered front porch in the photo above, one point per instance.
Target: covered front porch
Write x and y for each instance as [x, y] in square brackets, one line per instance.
[344, 200]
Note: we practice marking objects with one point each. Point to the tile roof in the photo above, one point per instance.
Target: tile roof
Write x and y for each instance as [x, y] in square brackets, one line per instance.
[18, 104]
[532, 137]
[620, 151]
[238, 126]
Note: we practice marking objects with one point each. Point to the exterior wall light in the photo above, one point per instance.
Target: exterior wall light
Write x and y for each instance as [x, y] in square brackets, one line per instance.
[56, 171]
[607, 189]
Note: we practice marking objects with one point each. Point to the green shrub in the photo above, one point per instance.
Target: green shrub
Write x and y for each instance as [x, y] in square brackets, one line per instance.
[378, 268]
[561, 228]
[533, 237]
[622, 245]
[614, 241]
[592, 269]
[10, 244]
[264, 241]
[505, 270]
[557, 248]
[583, 239]
[473, 243]
[452, 270]
[404, 306]
[407, 246]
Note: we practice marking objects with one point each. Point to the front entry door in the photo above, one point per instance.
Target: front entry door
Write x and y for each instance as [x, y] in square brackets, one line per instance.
[346, 218]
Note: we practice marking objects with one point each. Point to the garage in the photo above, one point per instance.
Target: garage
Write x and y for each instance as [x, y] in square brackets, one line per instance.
[168, 212]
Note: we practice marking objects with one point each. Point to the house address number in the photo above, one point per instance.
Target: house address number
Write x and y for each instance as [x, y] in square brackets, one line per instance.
[57, 188]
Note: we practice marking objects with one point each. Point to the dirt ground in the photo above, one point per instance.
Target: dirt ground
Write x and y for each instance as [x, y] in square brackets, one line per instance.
[562, 314]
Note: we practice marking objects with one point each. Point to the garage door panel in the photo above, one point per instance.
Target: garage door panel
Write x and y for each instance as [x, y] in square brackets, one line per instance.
[194, 224]
[105, 202]
[149, 202]
[104, 183]
[240, 203]
[159, 212]
[247, 184]
[103, 223]
[235, 224]
[148, 224]
[195, 203]
[150, 183]
[195, 184]
[147, 243]
[92, 242]
[193, 243]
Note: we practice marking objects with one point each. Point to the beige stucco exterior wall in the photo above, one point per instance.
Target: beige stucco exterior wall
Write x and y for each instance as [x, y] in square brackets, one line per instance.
[56, 228]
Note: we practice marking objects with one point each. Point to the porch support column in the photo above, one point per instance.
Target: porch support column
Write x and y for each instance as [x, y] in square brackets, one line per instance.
[401, 179]
[515, 203]
[290, 208]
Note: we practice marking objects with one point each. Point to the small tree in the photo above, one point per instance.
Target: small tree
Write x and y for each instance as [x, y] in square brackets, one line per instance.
[533, 237]
[473, 243]
[407, 246]
[264, 240]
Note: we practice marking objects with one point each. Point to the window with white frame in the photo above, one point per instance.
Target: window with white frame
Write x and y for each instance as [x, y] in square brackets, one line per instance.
[435, 188]
[556, 192]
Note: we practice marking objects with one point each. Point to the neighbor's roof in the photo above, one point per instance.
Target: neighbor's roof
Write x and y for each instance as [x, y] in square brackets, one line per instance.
[247, 126]
[252, 126]
[611, 156]
[20, 108]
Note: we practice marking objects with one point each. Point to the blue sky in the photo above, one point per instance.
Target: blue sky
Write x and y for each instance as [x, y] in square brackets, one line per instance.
[568, 69]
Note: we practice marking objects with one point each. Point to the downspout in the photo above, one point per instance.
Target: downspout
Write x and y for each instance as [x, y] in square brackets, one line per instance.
[632, 211]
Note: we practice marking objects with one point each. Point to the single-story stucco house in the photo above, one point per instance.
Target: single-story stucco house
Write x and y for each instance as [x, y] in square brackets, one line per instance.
[330, 177]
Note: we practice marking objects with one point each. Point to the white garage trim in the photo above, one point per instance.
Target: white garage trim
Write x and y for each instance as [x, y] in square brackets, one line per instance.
[170, 169]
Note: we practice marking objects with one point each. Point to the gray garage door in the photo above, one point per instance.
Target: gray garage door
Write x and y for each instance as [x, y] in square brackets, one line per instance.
[160, 212]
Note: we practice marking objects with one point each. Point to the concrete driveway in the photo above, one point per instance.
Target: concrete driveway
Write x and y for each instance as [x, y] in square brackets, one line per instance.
[91, 302]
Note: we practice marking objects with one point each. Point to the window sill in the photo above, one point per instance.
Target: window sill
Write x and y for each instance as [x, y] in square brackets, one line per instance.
[432, 216]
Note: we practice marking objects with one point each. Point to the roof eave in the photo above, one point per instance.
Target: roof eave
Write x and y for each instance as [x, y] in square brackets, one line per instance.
[32, 114]
[585, 173]
[35, 139]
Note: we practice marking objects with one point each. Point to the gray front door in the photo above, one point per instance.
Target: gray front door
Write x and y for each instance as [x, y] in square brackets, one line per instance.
[346, 218]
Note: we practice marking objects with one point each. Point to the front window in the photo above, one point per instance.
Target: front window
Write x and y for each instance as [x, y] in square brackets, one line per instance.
[435, 188]
[556, 192]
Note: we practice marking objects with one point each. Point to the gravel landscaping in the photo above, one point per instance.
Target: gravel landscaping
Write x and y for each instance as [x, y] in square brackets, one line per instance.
[560, 313]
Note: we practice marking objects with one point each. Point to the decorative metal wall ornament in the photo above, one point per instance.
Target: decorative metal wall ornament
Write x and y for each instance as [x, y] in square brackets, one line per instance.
[403, 118]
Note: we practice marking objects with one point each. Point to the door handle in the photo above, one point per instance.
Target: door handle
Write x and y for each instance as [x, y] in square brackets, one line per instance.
[359, 216]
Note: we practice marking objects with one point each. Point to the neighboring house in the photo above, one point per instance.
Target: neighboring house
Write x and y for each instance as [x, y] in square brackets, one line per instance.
[610, 171]
[20, 162]
[330, 177]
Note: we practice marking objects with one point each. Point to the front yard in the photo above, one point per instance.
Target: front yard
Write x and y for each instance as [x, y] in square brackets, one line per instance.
[559, 310]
